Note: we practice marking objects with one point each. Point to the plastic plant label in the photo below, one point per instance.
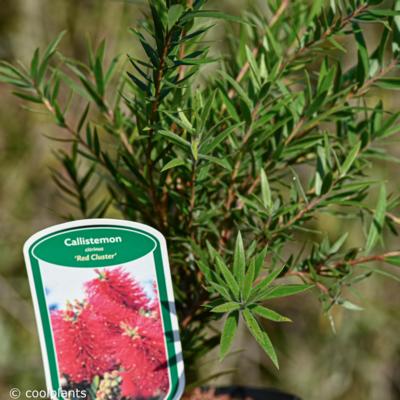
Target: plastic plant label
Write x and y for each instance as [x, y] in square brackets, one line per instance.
[105, 311]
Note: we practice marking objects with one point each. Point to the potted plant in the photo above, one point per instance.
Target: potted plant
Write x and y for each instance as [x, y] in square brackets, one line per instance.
[233, 162]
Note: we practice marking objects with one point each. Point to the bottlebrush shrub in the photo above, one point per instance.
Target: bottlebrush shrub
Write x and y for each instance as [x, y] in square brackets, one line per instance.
[280, 132]
[115, 334]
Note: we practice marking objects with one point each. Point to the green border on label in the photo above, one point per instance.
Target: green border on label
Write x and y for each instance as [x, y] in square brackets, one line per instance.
[166, 310]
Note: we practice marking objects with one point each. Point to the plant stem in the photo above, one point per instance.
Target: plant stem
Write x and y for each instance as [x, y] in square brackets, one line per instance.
[158, 77]
[361, 260]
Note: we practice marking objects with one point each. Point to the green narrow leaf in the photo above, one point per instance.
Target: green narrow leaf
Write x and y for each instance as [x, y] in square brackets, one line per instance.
[175, 138]
[13, 72]
[204, 269]
[265, 191]
[52, 47]
[350, 306]
[269, 314]
[393, 260]
[338, 244]
[14, 82]
[174, 14]
[230, 107]
[228, 276]
[195, 148]
[388, 83]
[327, 183]
[253, 63]
[74, 86]
[182, 120]
[92, 91]
[150, 52]
[259, 261]
[285, 291]
[49, 52]
[99, 77]
[206, 111]
[299, 186]
[384, 13]
[34, 64]
[270, 350]
[221, 290]
[111, 69]
[214, 142]
[228, 333]
[261, 337]
[160, 20]
[239, 90]
[33, 99]
[320, 170]
[248, 280]
[213, 14]
[375, 229]
[222, 162]
[142, 86]
[315, 10]
[226, 307]
[266, 281]
[239, 260]
[176, 162]
[351, 157]
[83, 118]
[363, 57]
[396, 31]
[382, 272]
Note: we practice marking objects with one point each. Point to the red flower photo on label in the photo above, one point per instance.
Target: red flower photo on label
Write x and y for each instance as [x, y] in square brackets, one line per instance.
[112, 340]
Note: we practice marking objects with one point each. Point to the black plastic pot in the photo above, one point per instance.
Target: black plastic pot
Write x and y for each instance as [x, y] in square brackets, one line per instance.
[239, 392]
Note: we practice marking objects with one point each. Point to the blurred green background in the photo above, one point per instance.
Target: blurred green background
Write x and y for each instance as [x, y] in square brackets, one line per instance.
[360, 362]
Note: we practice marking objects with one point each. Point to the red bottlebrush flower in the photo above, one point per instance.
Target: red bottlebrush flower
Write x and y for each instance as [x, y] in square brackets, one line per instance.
[117, 297]
[142, 356]
[81, 342]
[118, 286]
[112, 312]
